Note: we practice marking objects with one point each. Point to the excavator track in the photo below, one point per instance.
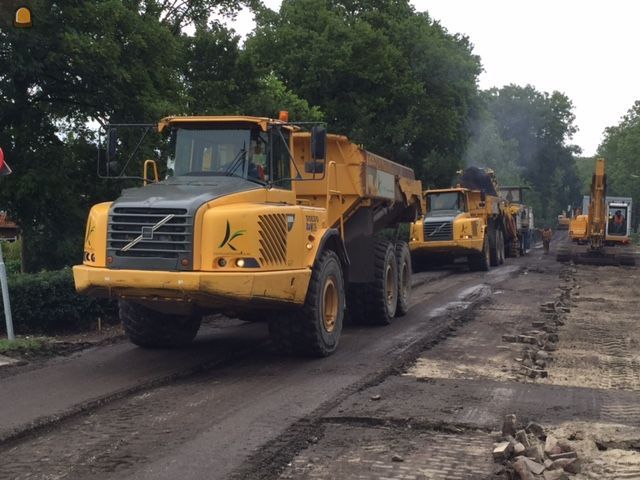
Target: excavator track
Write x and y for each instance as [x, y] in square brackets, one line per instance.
[607, 256]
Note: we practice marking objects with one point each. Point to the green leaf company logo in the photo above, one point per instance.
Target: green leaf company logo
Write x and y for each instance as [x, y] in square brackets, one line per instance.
[229, 237]
[90, 229]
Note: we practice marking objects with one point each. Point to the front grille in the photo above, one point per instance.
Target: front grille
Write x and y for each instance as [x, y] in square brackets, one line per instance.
[272, 237]
[438, 231]
[171, 240]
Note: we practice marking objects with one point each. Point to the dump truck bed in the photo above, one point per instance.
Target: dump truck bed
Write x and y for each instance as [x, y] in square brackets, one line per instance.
[354, 178]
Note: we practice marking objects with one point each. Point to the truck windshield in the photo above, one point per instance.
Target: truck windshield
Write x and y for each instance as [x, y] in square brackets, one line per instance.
[240, 152]
[444, 203]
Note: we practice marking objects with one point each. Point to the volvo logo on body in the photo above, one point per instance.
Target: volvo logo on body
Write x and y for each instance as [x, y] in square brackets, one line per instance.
[147, 233]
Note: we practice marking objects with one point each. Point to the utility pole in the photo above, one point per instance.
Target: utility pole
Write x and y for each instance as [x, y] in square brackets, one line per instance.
[5, 170]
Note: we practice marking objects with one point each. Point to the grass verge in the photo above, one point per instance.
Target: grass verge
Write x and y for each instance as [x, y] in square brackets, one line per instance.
[26, 347]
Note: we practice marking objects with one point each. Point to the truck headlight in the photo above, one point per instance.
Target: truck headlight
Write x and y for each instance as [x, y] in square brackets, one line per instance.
[247, 263]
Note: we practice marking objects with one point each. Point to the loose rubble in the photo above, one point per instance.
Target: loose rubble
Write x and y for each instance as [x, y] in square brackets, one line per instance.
[530, 453]
[539, 343]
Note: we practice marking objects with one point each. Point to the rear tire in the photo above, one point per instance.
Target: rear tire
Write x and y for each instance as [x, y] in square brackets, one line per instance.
[500, 246]
[403, 257]
[376, 303]
[314, 330]
[152, 329]
[493, 246]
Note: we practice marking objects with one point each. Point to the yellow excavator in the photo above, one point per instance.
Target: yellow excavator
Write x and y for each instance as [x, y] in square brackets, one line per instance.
[597, 249]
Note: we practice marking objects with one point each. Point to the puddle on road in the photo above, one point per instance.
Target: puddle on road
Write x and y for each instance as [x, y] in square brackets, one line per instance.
[466, 298]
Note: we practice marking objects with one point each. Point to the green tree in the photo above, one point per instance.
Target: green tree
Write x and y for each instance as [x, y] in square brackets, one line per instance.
[382, 73]
[541, 125]
[220, 78]
[88, 62]
[621, 150]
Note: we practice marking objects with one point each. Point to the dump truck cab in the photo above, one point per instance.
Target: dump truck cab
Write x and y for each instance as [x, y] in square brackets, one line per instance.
[212, 219]
[256, 218]
[469, 220]
[450, 225]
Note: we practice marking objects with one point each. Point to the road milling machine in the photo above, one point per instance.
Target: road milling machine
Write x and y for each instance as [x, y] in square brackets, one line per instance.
[601, 236]
[257, 218]
[469, 220]
[522, 215]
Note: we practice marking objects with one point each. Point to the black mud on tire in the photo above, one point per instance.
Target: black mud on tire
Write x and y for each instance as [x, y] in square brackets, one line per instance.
[152, 329]
[480, 262]
[370, 303]
[403, 256]
[305, 331]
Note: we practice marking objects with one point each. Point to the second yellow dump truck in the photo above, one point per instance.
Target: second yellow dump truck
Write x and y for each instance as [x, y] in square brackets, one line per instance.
[469, 220]
[256, 218]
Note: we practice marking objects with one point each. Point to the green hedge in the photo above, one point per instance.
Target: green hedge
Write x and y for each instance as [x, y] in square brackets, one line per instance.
[46, 302]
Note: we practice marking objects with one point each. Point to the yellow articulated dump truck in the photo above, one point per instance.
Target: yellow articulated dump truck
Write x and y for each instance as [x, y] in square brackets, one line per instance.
[258, 218]
[469, 220]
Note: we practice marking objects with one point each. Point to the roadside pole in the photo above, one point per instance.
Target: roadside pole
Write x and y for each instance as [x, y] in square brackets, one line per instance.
[5, 298]
[5, 170]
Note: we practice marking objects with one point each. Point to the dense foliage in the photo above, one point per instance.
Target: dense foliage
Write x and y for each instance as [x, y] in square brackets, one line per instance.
[621, 150]
[386, 75]
[47, 302]
[524, 135]
[87, 63]
[382, 73]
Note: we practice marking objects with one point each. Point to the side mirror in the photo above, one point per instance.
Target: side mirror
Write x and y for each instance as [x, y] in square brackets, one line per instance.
[112, 143]
[4, 167]
[112, 168]
[314, 167]
[318, 143]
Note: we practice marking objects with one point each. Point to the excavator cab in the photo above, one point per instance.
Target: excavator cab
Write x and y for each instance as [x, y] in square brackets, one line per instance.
[618, 223]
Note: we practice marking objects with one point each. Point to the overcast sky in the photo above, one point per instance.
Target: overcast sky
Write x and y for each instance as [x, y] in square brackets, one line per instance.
[587, 49]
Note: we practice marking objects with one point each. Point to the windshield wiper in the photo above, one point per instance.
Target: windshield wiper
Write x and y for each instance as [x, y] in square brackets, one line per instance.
[237, 161]
[255, 180]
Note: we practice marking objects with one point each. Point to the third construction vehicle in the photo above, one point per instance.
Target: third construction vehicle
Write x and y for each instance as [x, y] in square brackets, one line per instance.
[601, 235]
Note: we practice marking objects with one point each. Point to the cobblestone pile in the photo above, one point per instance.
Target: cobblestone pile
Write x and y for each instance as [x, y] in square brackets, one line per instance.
[539, 342]
[528, 453]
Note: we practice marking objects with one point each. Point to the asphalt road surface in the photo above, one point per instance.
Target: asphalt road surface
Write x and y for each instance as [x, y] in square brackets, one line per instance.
[228, 407]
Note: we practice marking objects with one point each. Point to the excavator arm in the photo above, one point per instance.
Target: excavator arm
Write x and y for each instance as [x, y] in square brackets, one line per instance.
[597, 222]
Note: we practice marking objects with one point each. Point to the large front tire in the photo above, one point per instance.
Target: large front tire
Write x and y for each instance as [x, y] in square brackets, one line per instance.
[479, 262]
[314, 330]
[152, 329]
[403, 256]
